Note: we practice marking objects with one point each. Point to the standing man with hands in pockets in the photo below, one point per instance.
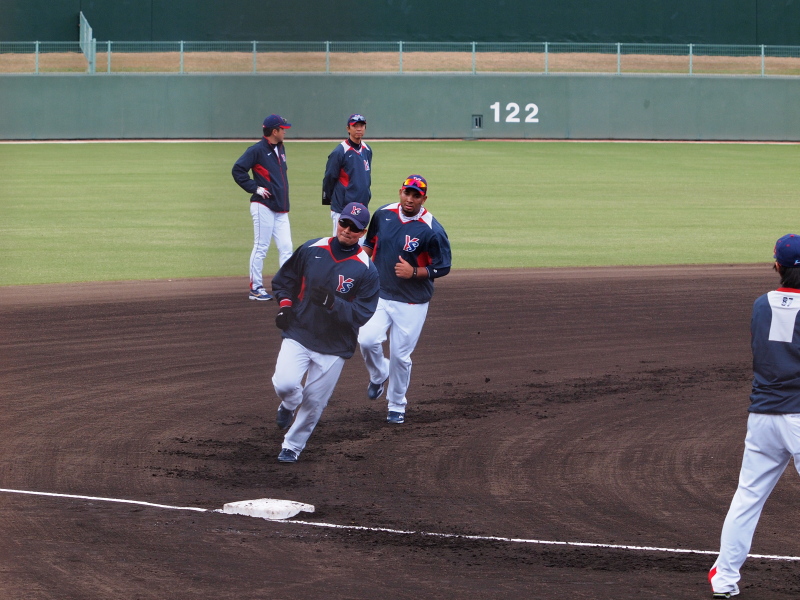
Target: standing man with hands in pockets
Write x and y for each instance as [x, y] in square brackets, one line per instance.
[348, 173]
[269, 200]
[410, 249]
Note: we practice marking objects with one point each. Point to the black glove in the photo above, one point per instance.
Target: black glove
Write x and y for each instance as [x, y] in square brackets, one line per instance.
[322, 297]
[284, 317]
[325, 200]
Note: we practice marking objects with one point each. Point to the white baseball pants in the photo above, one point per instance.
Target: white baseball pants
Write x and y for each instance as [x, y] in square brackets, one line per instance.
[772, 440]
[309, 400]
[335, 219]
[405, 322]
[268, 224]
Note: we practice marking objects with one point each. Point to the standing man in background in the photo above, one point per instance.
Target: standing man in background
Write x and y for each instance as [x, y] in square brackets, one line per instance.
[410, 249]
[348, 174]
[269, 200]
[326, 290]
[773, 426]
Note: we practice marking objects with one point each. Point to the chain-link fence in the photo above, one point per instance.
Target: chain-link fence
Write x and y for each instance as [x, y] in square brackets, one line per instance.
[395, 57]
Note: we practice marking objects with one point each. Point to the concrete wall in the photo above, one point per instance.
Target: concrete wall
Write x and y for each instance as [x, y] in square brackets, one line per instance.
[402, 106]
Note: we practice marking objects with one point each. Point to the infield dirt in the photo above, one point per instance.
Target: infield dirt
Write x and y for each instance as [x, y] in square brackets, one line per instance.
[605, 406]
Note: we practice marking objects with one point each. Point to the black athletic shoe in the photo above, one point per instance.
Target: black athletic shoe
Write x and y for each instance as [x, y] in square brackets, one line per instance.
[287, 456]
[375, 390]
[395, 417]
[285, 417]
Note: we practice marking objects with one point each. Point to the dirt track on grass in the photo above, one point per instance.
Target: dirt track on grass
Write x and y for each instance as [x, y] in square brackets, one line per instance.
[605, 406]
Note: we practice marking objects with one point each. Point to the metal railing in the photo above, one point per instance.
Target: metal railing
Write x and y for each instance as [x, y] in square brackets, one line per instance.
[394, 57]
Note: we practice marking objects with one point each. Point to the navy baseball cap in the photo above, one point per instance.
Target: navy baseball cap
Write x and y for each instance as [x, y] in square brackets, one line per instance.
[274, 121]
[357, 213]
[416, 182]
[787, 250]
[357, 118]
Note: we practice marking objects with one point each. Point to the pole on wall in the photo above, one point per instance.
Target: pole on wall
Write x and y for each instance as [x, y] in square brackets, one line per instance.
[546, 58]
[473, 58]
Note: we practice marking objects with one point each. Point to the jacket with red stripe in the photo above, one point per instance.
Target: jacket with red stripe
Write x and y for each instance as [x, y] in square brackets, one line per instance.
[268, 164]
[421, 241]
[348, 175]
[348, 275]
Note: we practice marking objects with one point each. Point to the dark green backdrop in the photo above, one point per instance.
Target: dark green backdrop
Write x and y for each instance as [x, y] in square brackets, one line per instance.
[771, 22]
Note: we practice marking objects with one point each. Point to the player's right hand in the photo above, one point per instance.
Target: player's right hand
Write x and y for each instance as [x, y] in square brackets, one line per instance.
[263, 192]
[322, 297]
[284, 317]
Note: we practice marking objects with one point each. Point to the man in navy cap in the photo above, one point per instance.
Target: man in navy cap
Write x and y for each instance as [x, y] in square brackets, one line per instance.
[348, 173]
[773, 426]
[269, 198]
[326, 291]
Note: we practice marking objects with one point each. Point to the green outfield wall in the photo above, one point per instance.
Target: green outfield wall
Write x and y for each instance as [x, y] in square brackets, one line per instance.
[402, 106]
[771, 22]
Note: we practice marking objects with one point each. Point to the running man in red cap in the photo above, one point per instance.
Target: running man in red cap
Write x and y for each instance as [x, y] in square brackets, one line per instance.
[410, 249]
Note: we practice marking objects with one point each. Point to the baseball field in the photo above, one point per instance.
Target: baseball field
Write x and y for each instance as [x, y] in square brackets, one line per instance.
[577, 408]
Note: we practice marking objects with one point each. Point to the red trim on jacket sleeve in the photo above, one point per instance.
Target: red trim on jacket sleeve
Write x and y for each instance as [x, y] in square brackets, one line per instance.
[373, 244]
[344, 178]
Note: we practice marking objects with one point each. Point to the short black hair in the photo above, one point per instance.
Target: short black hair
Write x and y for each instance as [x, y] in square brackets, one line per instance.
[790, 277]
[268, 130]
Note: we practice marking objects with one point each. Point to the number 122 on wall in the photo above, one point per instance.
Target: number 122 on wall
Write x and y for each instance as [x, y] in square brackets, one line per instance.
[513, 110]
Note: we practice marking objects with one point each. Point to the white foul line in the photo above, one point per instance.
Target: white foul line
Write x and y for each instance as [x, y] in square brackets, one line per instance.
[492, 538]
[482, 538]
[106, 500]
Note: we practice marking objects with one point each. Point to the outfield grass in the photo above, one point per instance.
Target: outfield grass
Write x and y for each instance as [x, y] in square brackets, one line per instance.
[100, 211]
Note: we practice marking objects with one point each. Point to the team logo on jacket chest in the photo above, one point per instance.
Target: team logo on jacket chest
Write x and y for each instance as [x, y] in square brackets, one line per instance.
[411, 244]
[345, 285]
[366, 165]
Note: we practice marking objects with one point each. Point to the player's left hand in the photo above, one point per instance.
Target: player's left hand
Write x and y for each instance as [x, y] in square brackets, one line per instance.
[284, 317]
[403, 269]
[322, 297]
